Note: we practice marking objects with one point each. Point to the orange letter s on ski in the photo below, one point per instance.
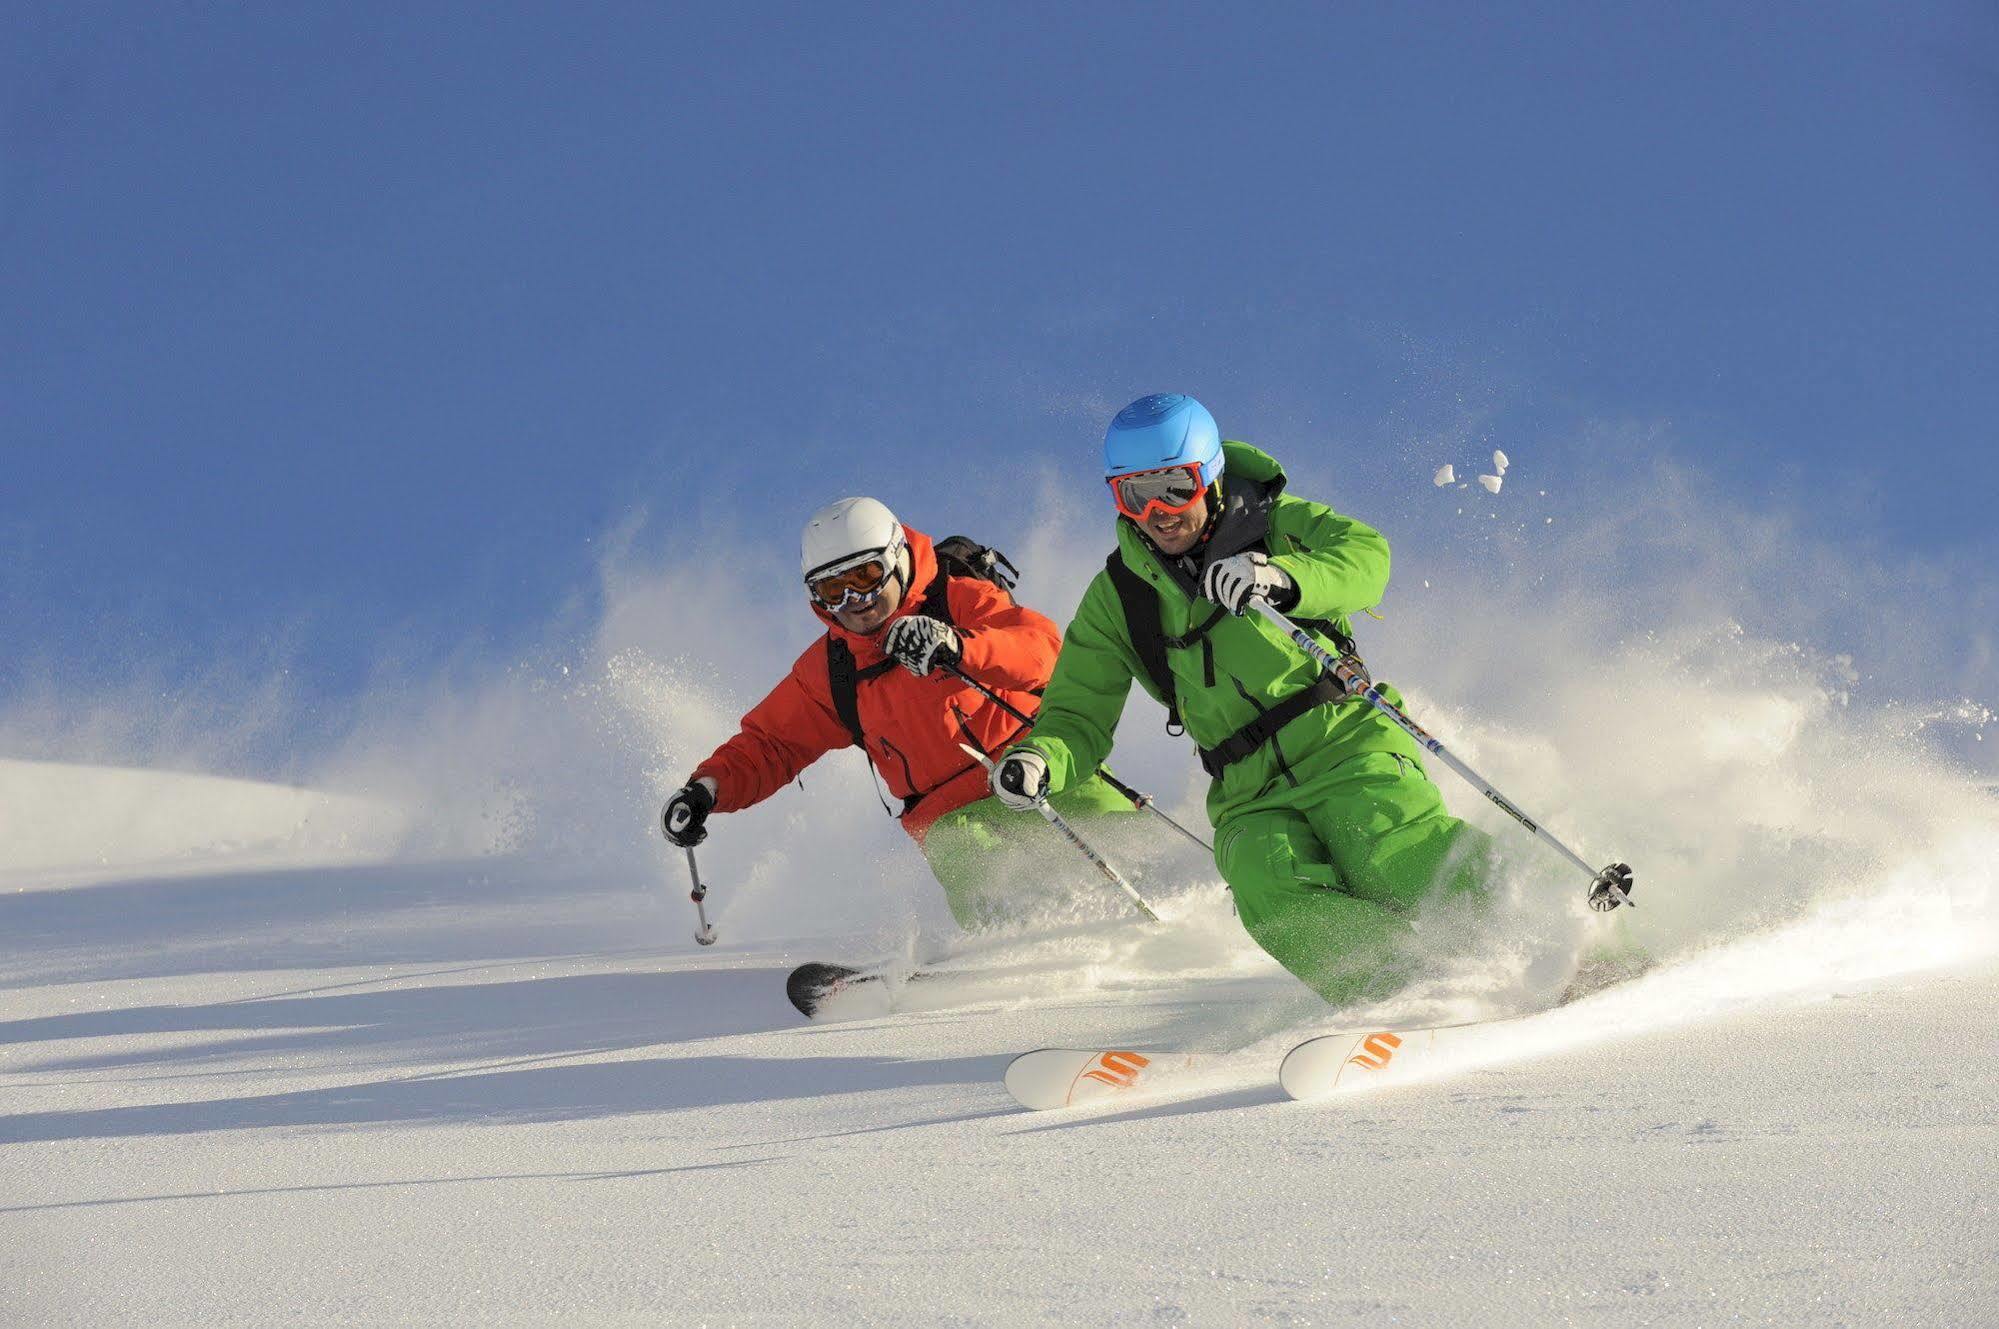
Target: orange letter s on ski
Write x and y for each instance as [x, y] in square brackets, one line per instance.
[1376, 1051]
[1119, 1070]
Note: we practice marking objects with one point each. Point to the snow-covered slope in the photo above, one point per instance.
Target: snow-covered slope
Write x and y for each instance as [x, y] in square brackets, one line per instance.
[56, 816]
[429, 1040]
[509, 1088]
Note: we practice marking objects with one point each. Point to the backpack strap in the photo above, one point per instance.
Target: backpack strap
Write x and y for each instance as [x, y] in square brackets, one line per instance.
[1148, 639]
[937, 599]
[845, 684]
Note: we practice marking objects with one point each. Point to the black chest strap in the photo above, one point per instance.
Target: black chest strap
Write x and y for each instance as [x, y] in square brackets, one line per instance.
[1266, 725]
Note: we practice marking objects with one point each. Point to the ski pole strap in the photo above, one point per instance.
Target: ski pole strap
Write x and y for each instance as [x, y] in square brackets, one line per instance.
[1265, 727]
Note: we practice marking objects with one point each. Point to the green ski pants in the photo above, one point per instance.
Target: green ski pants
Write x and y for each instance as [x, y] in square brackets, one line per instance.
[995, 864]
[1327, 874]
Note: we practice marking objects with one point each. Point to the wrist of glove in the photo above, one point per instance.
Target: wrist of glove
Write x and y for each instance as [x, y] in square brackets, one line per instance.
[1020, 779]
[920, 644]
[1234, 581]
[684, 819]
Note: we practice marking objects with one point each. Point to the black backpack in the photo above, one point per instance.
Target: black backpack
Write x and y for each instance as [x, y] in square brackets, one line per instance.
[958, 556]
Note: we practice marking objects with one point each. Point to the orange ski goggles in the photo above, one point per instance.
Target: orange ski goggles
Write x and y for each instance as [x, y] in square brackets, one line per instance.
[856, 585]
[1170, 489]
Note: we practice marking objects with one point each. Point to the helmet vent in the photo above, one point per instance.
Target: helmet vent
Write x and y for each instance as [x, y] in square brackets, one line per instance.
[1147, 410]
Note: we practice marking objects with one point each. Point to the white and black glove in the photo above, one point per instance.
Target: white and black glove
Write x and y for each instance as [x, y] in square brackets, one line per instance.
[1020, 779]
[1235, 581]
[919, 644]
[685, 816]
[1611, 888]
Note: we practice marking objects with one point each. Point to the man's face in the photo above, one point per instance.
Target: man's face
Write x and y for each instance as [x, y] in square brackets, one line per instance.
[1176, 532]
[869, 618]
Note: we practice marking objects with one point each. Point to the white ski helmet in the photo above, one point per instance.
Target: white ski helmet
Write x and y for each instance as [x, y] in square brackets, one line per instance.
[849, 533]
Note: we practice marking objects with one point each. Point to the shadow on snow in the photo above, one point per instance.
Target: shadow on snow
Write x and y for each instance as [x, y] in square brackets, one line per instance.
[536, 1095]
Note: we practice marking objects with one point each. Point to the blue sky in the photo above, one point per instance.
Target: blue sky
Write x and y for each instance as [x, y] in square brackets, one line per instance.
[344, 333]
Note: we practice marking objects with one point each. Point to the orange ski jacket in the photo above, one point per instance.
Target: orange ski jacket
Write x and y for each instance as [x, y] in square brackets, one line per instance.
[912, 725]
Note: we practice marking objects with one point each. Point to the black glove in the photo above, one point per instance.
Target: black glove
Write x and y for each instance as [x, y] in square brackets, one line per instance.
[920, 643]
[684, 818]
[1611, 888]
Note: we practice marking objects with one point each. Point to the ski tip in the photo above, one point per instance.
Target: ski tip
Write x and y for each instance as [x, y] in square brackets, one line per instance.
[1044, 1078]
[1292, 1075]
[1321, 1066]
[1066, 1077]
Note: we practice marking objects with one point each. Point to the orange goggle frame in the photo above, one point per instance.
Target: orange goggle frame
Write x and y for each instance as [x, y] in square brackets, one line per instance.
[1169, 489]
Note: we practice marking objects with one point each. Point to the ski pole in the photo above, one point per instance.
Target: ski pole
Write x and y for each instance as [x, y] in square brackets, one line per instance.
[1609, 887]
[1054, 818]
[705, 934]
[1139, 799]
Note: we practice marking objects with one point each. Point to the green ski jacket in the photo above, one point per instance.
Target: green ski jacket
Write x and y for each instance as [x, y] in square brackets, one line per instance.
[1244, 665]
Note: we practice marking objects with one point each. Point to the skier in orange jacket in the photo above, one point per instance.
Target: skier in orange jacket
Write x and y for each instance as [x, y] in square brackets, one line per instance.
[898, 626]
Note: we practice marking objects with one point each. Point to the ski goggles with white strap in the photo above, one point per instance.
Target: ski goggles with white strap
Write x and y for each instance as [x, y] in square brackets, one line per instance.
[856, 582]
[1170, 489]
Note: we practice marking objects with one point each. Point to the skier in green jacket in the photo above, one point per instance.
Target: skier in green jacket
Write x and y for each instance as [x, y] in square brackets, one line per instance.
[1327, 827]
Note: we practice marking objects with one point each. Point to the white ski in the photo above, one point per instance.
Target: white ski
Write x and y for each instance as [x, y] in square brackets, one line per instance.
[1351, 1061]
[1070, 1077]
[1344, 1062]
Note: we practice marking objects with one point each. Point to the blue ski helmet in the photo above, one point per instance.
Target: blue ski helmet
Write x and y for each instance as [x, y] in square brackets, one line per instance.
[1160, 430]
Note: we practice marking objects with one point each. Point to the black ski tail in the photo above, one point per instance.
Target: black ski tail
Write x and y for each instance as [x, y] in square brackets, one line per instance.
[811, 984]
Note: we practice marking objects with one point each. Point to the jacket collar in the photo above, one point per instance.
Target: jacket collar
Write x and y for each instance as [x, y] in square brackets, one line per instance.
[1252, 481]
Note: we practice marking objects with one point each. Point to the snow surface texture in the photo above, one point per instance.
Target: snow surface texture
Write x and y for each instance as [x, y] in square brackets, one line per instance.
[433, 1041]
[424, 1093]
